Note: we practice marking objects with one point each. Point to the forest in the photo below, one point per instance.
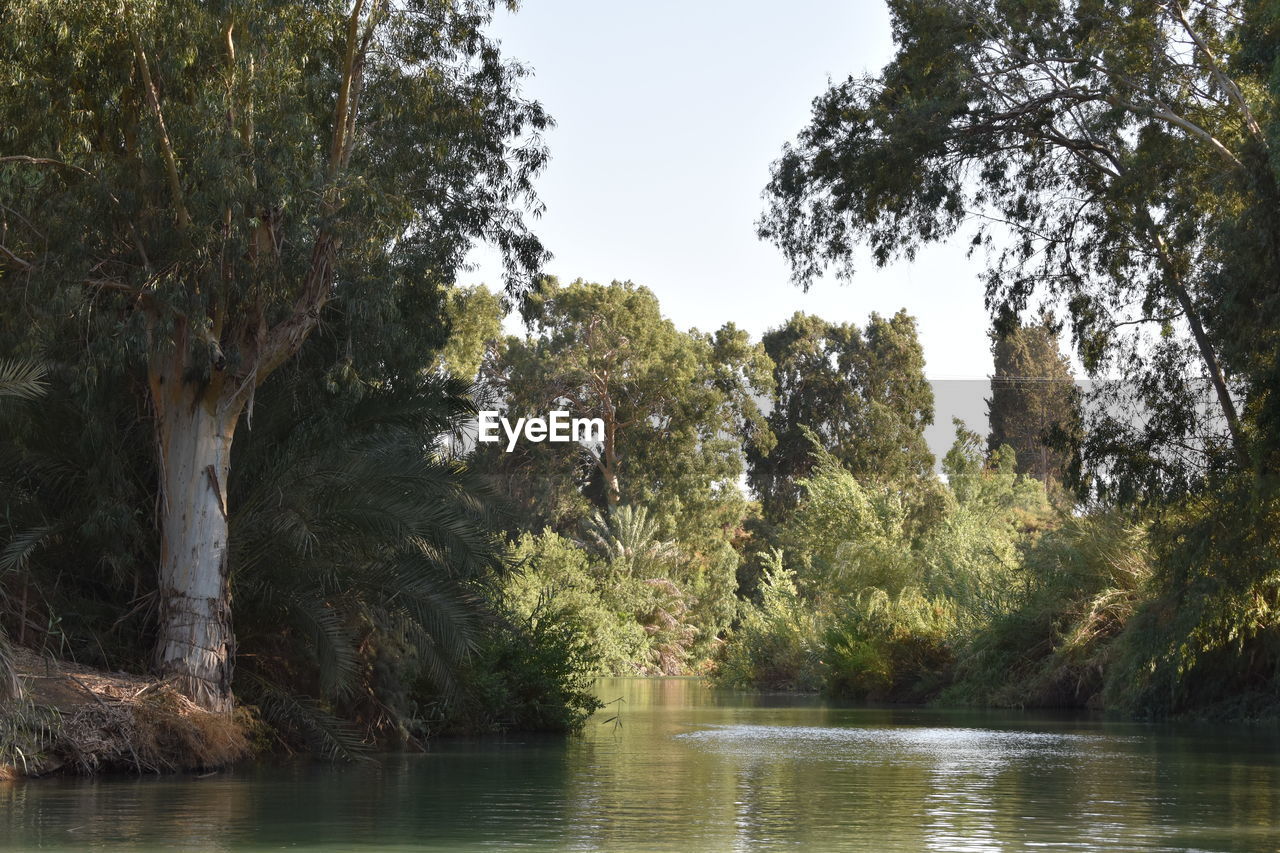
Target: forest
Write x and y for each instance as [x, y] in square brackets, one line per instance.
[239, 380]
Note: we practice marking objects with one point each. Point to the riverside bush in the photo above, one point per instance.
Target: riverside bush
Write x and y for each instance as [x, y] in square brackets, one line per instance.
[877, 588]
[1080, 585]
[890, 648]
[775, 645]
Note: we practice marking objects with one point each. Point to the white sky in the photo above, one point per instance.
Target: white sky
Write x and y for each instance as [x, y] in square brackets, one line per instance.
[669, 114]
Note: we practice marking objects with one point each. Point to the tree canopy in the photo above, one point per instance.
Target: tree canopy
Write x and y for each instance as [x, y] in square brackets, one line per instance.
[860, 394]
[199, 182]
[1098, 150]
[674, 404]
[1034, 404]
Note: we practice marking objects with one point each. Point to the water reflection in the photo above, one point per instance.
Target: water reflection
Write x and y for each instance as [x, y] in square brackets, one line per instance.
[693, 768]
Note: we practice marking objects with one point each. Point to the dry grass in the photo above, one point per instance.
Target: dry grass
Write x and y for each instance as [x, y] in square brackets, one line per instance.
[76, 719]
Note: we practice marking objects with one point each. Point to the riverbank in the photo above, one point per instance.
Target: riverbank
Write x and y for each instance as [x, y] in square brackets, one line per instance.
[78, 720]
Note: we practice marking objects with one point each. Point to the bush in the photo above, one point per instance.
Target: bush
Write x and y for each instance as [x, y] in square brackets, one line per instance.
[1080, 585]
[886, 582]
[775, 643]
[1207, 643]
[532, 677]
[554, 575]
[890, 648]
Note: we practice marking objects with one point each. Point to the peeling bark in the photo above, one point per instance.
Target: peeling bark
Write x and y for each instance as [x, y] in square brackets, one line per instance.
[194, 433]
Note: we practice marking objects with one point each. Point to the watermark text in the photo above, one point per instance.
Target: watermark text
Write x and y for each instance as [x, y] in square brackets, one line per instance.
[556, 426]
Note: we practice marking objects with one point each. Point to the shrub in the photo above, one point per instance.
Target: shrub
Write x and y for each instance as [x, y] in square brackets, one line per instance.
[535, 676]
[555, 577]
[1080, 585]
[1207, 644]
[775, 645]
[890, 648]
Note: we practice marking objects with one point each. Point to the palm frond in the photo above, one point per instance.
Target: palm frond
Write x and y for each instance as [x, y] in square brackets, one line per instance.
[17, 552]
[22, 379]
[355, 528]
[10, 684]
[303, 716]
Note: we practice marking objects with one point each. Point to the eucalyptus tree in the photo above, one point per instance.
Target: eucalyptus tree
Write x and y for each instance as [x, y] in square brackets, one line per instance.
[210, 176]
[1108, 143]
[674, 404]
[475, 324]
[860, 394]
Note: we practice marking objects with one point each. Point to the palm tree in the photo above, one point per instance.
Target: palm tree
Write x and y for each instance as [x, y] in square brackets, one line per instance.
[627, 538]
[361, 556]
[642, 566]
[24, 381]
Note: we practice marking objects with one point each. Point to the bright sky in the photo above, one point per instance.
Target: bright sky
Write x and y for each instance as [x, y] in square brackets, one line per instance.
[669, 114]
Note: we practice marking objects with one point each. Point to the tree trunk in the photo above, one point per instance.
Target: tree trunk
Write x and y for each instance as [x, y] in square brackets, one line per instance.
[1216, 377]
[609, 461]
[1214, 368]
[194, 433]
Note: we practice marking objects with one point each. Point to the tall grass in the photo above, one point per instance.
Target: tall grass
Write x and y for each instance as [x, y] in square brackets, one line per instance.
[1082, 584]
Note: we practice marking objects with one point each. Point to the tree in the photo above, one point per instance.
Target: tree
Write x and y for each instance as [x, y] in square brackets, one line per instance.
[364, 560]
[673, 403]
[475, 323]
[212, 176]
[861, 394]
[1108, 140]
[1034, 405]
[24, 381]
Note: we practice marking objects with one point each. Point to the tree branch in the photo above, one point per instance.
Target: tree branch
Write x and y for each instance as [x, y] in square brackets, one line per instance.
[166, 145]
[1215, 68]
[285, 338]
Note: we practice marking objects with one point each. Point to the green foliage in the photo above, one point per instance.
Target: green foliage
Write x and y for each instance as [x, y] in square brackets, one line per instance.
[628, 593]
[1206, 642]
[531, 676]
[847, 535]
[556, 579]
[1107, 157]
[475, 324]
[23, 380]
[775, 644]
[974, 550]
[213, 180]
[77, 542]
[673, 404]
[1035, 405]
[149, 146]
[360, 554]
[1123, 159]
[1077, 590]
[859, 393]
[627, 539]
[886, 647]
[883, 592]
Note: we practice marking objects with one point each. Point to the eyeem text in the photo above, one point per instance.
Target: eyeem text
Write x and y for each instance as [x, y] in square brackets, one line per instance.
[556, 426]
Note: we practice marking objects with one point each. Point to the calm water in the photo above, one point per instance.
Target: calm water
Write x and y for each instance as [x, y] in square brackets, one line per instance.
[695, 769]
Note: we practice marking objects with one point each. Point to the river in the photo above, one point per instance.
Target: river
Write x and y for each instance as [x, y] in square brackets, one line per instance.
[686, 767]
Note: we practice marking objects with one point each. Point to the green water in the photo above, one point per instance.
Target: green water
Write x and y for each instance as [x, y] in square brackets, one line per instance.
[695, 769]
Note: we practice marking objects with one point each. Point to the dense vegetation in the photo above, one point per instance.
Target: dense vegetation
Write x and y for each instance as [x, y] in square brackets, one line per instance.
[1115, 161]
[234, 412]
